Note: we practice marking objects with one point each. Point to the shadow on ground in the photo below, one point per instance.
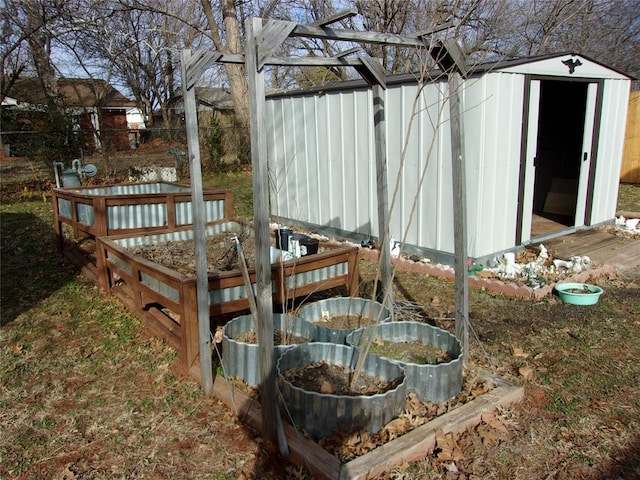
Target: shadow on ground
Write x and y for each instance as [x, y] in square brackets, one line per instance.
[31, 267]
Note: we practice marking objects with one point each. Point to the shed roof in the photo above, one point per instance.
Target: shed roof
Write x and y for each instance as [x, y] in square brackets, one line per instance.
[76, 92]
[537, 64]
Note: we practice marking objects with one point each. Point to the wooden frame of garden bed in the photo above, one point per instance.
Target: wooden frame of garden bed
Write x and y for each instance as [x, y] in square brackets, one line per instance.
[166, 300]
[91, 211]
[412, 446]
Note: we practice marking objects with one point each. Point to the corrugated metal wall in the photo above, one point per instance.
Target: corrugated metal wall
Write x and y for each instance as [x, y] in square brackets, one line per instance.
[323, 165]
[611, 143]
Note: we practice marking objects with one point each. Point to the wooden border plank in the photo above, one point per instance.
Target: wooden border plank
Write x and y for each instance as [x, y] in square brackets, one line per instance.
[410, 447]
[420, 442]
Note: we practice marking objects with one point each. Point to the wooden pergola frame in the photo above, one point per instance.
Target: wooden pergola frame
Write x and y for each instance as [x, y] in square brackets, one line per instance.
[263, 39]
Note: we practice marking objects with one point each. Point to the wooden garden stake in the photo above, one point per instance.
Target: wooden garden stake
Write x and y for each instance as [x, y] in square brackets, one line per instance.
[202, 275]
[264, 300]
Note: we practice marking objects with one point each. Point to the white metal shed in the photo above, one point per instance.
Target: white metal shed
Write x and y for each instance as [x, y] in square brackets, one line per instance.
[543, 140]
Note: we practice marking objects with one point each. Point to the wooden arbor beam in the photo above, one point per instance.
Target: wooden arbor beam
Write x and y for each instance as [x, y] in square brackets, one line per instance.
[197, 64]
[336, 17]
[270, 38]
[348, 35]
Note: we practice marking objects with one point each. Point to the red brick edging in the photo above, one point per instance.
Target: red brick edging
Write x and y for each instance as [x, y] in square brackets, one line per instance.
[491, 284]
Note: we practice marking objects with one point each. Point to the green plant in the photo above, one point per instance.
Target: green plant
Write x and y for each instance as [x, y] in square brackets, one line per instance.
[213, 146]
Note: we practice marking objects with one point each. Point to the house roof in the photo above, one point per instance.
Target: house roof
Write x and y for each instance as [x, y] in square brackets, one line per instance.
[219, 98]
[213, 97]
[76, 92]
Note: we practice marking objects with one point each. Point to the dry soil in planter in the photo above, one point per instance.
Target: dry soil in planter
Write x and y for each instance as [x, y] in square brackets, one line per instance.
[240, 350]
[431, 380]
[322, 413]
[337, 317]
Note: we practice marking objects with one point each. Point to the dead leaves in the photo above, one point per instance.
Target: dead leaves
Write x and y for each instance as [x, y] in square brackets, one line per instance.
[491, 429]
[518, 352]
[347, 446]
[447, 448]
[525, 371]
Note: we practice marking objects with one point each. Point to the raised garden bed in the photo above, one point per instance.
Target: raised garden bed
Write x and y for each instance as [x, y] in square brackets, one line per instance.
[94, 212]
[166, 299]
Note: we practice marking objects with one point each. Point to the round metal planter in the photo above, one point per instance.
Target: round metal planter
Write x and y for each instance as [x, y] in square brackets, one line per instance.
[321, 414]
[241, 359]
[316, 311]
[433, 383]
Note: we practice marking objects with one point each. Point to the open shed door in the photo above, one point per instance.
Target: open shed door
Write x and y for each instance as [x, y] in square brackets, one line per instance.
[558, 156]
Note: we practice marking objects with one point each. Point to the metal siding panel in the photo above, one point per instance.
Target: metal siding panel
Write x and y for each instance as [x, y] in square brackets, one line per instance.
[612, 128]
[300, 202]
[493, 116]
[289, 192]
[367, 216]
[334, 119]
[85, 214]
[64, 207]
[325, 193]
[137, 216]
[444, 222]
[349, 117]
[338, 149]
[313, 161]
[429, 118]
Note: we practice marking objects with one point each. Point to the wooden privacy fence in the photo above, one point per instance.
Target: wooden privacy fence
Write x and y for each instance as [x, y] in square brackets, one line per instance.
[630, 171]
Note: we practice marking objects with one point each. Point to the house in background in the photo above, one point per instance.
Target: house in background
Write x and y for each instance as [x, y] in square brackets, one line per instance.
[210, 102]
[100, 109]
[543, 140]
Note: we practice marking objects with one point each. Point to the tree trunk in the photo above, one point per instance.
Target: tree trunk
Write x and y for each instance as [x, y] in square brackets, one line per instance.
[39, 44]
[235, 73]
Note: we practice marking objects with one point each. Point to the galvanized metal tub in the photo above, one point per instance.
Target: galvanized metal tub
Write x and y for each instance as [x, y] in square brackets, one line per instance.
[320, 414]
[240, 359]
[314, 312]
[433, 383]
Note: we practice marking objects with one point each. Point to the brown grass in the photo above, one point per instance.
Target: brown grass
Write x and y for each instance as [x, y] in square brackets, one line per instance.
[85, 393]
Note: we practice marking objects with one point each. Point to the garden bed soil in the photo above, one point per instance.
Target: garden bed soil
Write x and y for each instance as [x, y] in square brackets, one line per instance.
[323, 377]
[409, 352]
[279, 338]
[222, 254]
[344, 322]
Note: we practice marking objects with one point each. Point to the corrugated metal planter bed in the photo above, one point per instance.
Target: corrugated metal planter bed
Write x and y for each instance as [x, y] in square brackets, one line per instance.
[146, 286]
[360, 312]
[240, 359]
[320, 414]
[430, 382]
[133, 208]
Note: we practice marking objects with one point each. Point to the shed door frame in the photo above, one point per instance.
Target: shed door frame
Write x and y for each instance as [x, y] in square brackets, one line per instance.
[529, 136]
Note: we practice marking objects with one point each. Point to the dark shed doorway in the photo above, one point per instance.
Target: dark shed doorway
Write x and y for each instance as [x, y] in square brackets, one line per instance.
[559, 154]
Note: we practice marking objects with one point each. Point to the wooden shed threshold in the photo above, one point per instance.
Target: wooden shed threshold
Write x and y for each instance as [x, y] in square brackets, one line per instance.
[412, 446]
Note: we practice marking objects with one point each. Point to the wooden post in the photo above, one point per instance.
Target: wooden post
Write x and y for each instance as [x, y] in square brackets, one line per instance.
[202, 280]
[383, 197]
[459, 214]
[264, 300]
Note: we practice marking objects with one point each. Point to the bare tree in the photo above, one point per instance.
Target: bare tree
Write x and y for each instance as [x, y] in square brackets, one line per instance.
[35, 25]
[607, 30]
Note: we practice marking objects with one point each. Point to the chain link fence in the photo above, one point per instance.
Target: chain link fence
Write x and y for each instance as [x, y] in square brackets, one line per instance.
[221, 148]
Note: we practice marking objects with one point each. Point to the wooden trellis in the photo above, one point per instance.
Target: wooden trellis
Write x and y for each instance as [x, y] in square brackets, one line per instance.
[263, 40]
